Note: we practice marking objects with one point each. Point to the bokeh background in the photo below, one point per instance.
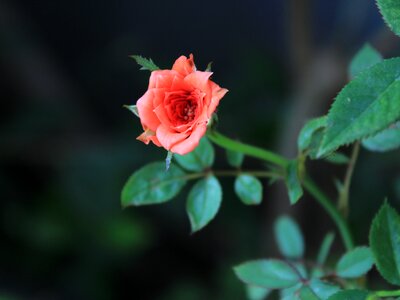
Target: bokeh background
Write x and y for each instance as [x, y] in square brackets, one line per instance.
[67, 145]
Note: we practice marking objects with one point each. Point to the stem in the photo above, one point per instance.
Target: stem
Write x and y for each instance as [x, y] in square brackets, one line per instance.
[387, 293]
[226, 173]
[343, 201]
[324, 201]
[249, 150]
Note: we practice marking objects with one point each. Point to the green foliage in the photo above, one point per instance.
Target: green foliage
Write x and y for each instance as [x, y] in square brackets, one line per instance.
[390, 10]
[365, 106]
[256, 293]
[268, 273]
[133, 109]
[386, 140]
[325, 248]
[292, 293]
[337, 158]
[323, 290]
[364, 59]
[235, 159]
[293, 182]
[384, 239]
[201, 158]
[152, 184]
[350, 295]
[249, 189]
[355, 263]
[289, 238]
[203, 202]
[308, 132]
[146, 64]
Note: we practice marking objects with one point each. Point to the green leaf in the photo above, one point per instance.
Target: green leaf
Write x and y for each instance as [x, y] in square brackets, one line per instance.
[384, 239]
[325, 248]
[235, 159]
[203, 202]
[133, 108]
[386, 140]
[289, 238]
[208, 69]
[365, 106]
[293, 182]
[256, 293]
[364, 59]
[349, 295]
[268, 273]
[292, 293]
[337, 158]
[390, 10]
[249, 189]
[323, 290]
[152, 185]
[355, 263]
[306, 293]
[146, 64]
[309, 129]
[201, 158]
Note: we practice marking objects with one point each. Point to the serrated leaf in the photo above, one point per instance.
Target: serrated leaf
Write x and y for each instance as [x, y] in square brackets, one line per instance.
[256, 293]
[365, 106]
[323, 290]
[337, 158]
[308, 130]
[146, 64]
[133, 109]
[201, 158]
[355, 263]
[384, 239]
[293, 184]
[325, 248]
[349, 295]
[203, 202]
[289, 238]
[390, 10]
[249, 189]
[235, 159]
[268, 273]
[364, 59]
[152, 185]
[386, 140]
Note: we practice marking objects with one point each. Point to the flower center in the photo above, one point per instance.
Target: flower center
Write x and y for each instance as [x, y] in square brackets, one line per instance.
[182, 106]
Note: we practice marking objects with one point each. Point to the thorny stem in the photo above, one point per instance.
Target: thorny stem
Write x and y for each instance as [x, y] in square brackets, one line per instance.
[343, 201]
[278, 160]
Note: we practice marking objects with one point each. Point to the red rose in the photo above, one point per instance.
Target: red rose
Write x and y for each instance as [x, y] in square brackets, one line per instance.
[177, 106]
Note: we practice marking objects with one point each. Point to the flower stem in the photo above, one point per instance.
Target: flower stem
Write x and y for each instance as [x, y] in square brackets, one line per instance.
[278, 160]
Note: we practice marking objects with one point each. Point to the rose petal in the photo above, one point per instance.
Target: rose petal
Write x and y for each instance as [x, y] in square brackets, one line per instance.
[145, 109]
[168, 138]
[148, 136]
[217, 94]
[191, 142]
[162, 78]
[184, 65]
[199, 80]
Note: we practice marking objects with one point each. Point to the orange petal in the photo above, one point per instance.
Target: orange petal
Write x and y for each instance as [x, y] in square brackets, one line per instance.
[199, 80]
[189, 144]
[217, 94]
[145, 109]
[168, 138]
[184, 65]
[162, 78]
[148, 136]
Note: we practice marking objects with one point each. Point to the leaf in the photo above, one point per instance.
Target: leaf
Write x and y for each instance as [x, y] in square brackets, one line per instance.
[365, 106]
[355, 263]
[203, 202]
[201, 158]
[308, 130]
[133, 108]
[292, 293]
[146, 64]
[293, 182]
[208, 69]
[306, 293]
[289, 238]
[152, 185]
[323, 290]
[268, 273]
[249, 189]
[386, 140]
[364, 59]
[337, 158]
[235, 159]
[256, 293]
[349, 295]
[390, 10]
[384, 239]
[325, 248]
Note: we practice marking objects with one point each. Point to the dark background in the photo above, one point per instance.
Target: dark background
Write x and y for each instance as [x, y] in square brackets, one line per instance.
[67, 145]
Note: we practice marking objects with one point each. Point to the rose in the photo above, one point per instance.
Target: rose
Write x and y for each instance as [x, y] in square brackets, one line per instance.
[177, 106]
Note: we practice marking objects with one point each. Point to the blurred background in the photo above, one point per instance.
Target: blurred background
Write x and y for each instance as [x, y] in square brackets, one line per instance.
[67, 145]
